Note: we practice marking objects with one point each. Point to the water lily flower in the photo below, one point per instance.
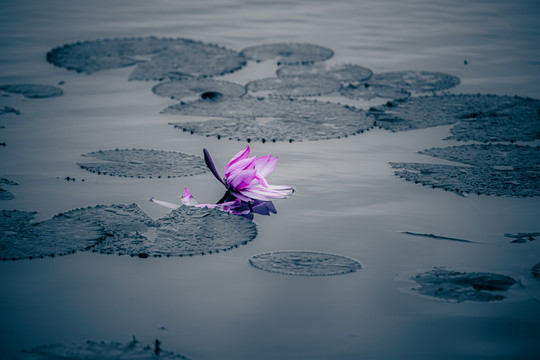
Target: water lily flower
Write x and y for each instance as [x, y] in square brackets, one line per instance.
[248, 190]
[245, 177]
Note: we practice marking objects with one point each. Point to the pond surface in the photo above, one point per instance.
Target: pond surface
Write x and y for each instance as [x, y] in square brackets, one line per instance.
[347, 200]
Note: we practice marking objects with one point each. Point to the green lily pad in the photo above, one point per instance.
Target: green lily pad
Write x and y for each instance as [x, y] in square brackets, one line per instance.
[288, 53]
[347, 73]
[99, 350]
[156, 58]
[31, 91]
[294, 86]
[307, 263]
[142, 163]
[454, 286]
[207, 89]
[22, 239]
[502, 170]
[272, 119]
[480, 117]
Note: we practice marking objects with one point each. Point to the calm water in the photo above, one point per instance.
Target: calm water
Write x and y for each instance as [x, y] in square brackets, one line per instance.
[347, 201]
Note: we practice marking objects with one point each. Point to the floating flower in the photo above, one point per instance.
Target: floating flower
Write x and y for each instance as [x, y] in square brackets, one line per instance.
[248, 190]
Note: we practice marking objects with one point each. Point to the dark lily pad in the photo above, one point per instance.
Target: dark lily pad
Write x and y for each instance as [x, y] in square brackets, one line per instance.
[99, 350]
[157, 58]
[144, 163]
[399, 84]
[184, 232]
[347, 73]
[518, 121]
[294, 86]
[507, 170]
[536, 271]
[9, 110]
[5, 195]
[521, 238]
[462, 286]
[22, 239]
[32, 91]
[288, 53]
[306, 263]
[272, 119]
[203, 88]
[7, 182]
[480, 117]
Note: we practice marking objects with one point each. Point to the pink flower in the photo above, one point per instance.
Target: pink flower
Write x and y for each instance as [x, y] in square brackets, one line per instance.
[245, 177]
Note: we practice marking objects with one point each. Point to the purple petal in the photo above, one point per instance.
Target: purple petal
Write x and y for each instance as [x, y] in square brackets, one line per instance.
[210, 163]
[240, 180]
[242, 154]
[266, 165]
[240, 165]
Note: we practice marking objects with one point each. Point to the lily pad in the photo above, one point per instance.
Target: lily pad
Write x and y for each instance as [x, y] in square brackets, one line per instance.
[7, 182]
[507, 170]
[482, 117]
[157, 58]
[5, 195]
[536, 271]
[307, 263]
[142, 163]
[99, 350]
[400, 84]
[272, 119]
[458, 287]
[207, 89]
[347, 73]
[294, 86]
[288, 53]
[9, 110]
[22, 239]
[32, 91]
[183, 232]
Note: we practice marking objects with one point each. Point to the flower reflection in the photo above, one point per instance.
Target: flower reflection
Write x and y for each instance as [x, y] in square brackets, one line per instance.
[248, 191]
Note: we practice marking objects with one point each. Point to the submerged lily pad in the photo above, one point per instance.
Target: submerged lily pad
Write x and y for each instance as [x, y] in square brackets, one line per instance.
[7, 182]
[288, 53]
[521, 238]
[22, 239]
[9, 110]
[508, 170]
[347, 73]
[144, 163]
[307, 263]
[462, 286]
[99, 350]
[294, 86]
[207, 89]
[5, 195]
[536, 271]
[183, 232]
[32, 91]
[156, 58]
[481, 117]
[400, 84]
[272, 119]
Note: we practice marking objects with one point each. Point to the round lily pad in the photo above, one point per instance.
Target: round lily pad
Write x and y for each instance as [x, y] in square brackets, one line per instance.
[457, 286]
[207, 89]
[508, 170]
[22, 239]
[142, 163]
[288, 53]
[133, 350]
[367, 91]
[477, 114]
[272, 119]
[157, 58]
[306, 263]
[184, 232]
[347, 73]
[32, 91]
[294, 86]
